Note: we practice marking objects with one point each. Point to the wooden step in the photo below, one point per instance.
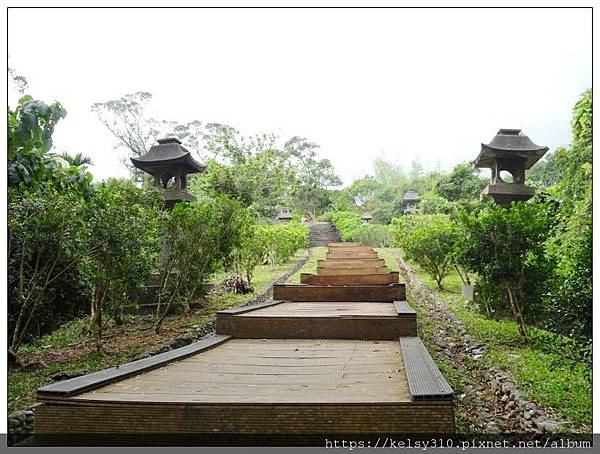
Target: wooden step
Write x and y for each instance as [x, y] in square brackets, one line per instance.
[350, 279]
[357, 263]
[320, 320]
[301, 292]
[352, 270]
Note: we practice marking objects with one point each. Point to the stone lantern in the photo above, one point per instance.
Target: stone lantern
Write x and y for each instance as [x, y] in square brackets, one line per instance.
[170, 163]
[411, 202]
[284, 216]
[366, 218]
[508, 155]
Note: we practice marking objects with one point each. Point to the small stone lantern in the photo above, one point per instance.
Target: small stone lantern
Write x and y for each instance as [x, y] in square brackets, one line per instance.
[508, 155]
[411, 202]
[170, 163]
[366, 218]
[284, 216]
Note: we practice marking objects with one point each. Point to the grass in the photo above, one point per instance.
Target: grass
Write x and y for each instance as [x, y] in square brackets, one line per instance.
[316, 253]
[68, 349]
[542, 366]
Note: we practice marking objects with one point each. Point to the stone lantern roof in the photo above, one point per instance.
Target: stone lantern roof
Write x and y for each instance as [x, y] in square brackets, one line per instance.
[510, 144]
[411, 196]
[170, 163]
[366, 217]
[168, 154]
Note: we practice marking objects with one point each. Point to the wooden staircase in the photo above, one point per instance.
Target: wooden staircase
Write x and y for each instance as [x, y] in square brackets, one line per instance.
[323, 233]
[336, 356]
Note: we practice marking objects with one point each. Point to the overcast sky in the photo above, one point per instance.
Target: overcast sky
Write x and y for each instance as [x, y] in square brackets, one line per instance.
[401, 84]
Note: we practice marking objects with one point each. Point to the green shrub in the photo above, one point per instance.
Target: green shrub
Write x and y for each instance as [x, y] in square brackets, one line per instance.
[374, 235]
[428, 240]
[199, 239]
[347, 222]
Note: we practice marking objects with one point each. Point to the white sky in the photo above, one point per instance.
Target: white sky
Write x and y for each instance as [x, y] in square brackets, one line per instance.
[403, 84]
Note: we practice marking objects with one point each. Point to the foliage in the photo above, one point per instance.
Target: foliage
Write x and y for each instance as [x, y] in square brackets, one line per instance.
[30, 129]
[258, 178]
[45, 244]
[193, 254]
[462, 184]
[506, 246]
[433, 203]
[126, 119]
[347, 223]
[283, 240]
[374, 235]
[570, 298]
[427, 240]
[122, 230]
[312, 176]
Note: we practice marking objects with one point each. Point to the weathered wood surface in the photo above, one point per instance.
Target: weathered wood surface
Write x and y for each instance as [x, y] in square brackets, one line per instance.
[272, 371]
[347, 245]
[290, 292]
[321, 320]
[90, 381]
[356, 263]
[351, 270]
[350, 279]
[351, 255]
[186, 420]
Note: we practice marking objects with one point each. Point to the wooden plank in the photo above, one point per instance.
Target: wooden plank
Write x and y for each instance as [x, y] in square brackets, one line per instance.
[351, 255]
[90, 381]
[242, 309]
[352, 263]
[350, 279]
[326, 309]
[290, 292]
[315, 327]
[270, 423]
[425, 380]
[350, 270]
[210, 379]
[403, 309]
[343, 244]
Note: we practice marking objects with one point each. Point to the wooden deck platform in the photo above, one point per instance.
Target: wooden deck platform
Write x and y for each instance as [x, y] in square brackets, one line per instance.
[320, 320]
[257, 387]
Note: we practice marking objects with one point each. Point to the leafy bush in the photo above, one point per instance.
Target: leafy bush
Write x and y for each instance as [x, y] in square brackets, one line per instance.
[122, 223]
[427, 240]
[46, 242]
[199, 239]
[347, 222]
[374, 235]
[283, 240]
[506, 247]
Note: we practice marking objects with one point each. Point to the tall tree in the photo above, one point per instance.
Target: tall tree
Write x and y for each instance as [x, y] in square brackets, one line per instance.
[314, 176]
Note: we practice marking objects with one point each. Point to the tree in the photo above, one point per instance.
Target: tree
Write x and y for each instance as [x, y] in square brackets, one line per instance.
[506, 247]
[30, 129]
[77, 160]
[123, 232]
[193, 254]
[571, 239]
[46, 235]
[463, 183]
[314, 176]
[428, 241]
[126, 119]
